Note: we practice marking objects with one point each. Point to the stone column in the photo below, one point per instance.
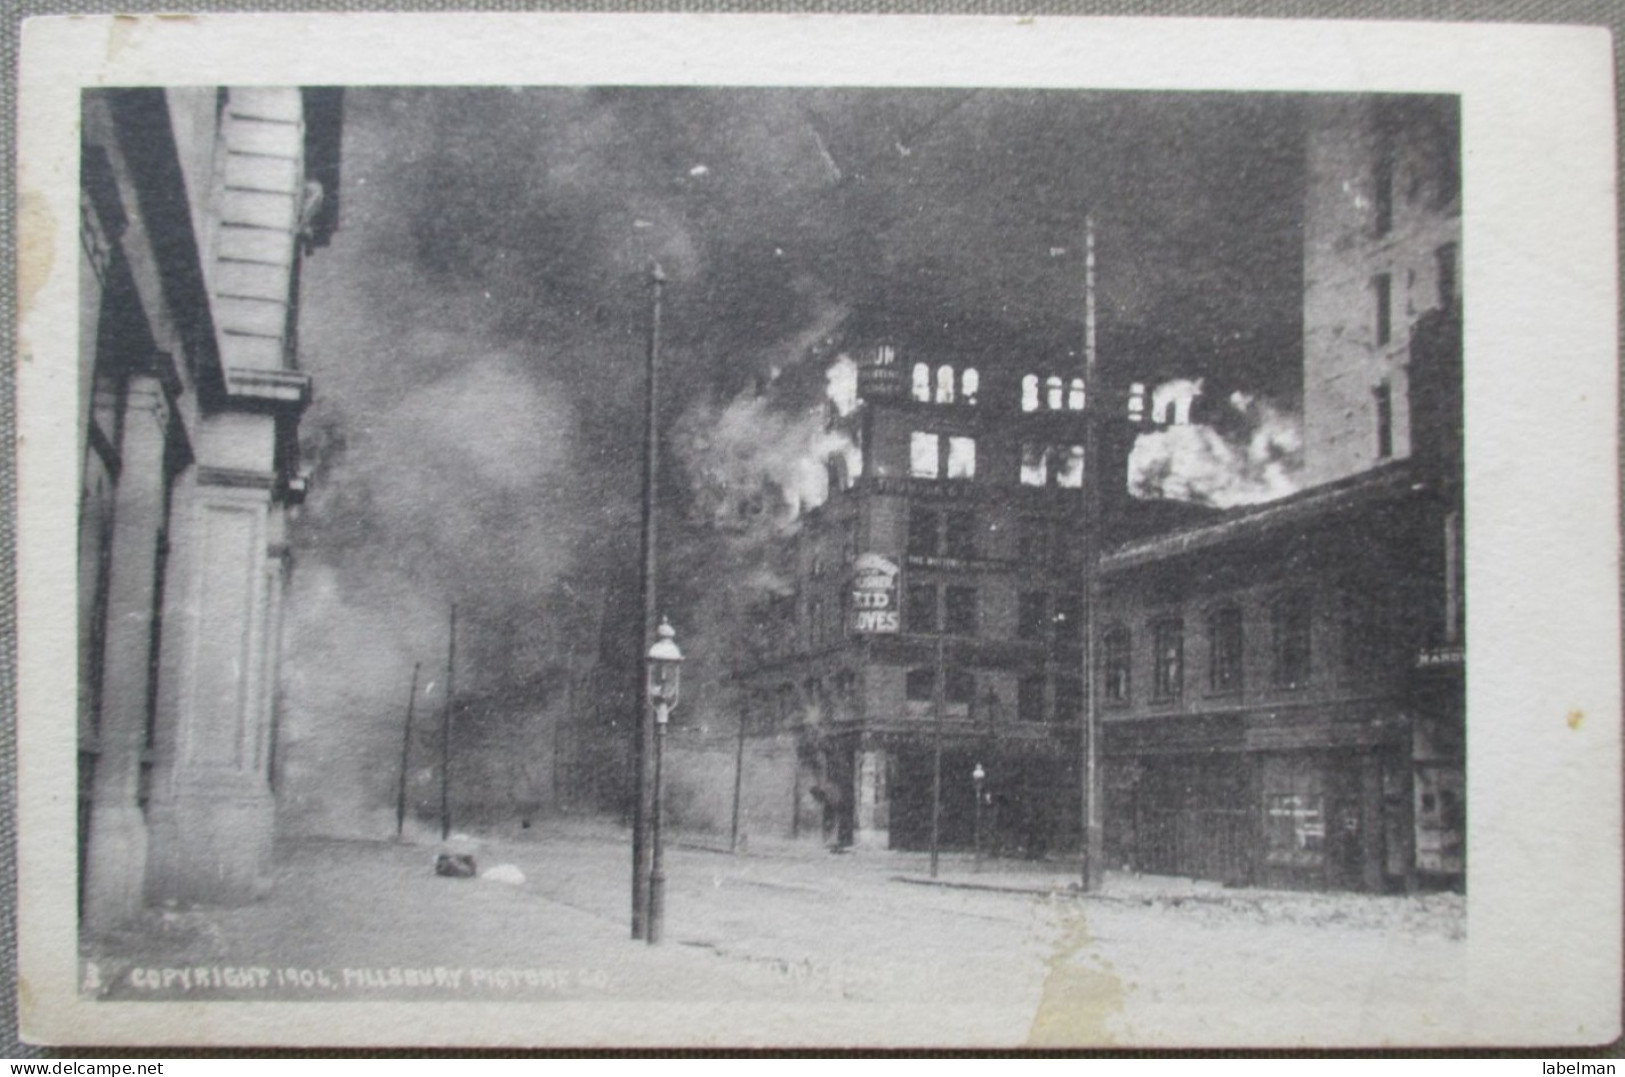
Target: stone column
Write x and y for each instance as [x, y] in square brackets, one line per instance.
[117, 836]
[212, 808]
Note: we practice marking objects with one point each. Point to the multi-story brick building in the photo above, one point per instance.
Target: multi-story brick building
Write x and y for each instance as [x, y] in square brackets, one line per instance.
[1382, 228]
[1283, 686]
[198, 207]
[939, 594]
[1280, 686]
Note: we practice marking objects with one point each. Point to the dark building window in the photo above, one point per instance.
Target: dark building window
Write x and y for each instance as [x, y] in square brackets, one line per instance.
[919, 685]
[1116, 663]
[815, 617]
[961, 611]
[959, 686]
[1290, 619]
[1384, 400]
[1382, 290]
[1168, 654]
[922, 533]
[1225, 650]
[1068, 618]
[1068, 699]
[920, 607]
[1031, 612]
[1446, 257]
[961, 535]
[1032, 540]
[1030, 699]
[1363, 628]
[846, 685]
[1383, 181]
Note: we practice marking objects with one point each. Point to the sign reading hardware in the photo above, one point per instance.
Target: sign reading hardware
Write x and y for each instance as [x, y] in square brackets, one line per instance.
[874, 596]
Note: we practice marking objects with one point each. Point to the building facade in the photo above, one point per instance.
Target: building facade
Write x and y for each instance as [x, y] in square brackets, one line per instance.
[1382, 248]
[1280, 697]
[1280, 687]
[937, 610]
[197, 208]
[1283, 686]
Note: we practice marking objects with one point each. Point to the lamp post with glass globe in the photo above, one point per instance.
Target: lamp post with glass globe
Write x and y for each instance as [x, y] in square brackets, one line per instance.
[665, 668]
[978, 779]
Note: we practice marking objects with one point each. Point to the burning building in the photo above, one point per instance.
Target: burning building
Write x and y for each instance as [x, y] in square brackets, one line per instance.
[1280, 649]
[936, 605]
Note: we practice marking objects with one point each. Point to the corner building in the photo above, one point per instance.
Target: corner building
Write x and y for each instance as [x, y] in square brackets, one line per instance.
[938, 600]
[198, 207]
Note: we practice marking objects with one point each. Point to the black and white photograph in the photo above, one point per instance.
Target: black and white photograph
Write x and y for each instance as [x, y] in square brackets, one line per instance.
[754, 561]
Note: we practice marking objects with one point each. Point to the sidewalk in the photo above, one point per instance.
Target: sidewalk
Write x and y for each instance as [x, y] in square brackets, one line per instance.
[1441, 914]
[790, 943]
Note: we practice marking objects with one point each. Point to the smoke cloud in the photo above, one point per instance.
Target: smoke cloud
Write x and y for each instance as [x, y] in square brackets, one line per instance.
[1257, 458]
[475, 333]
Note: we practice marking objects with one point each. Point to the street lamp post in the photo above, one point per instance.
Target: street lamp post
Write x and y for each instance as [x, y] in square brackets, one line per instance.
[665, 669]
[1093, 836]
[644, 732]
[978, 777]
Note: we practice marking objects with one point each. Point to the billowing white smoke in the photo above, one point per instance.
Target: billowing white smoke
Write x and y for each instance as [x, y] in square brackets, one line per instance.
[751, 459]
[1260, 461]
[841, 381]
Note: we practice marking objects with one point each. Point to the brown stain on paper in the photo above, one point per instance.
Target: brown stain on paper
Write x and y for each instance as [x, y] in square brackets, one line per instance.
[1575, 717]
[121, 35]
[1081, 992]
[36, 248]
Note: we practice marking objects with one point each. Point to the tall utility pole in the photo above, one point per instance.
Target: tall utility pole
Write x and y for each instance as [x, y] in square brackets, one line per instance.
[743, 708]
[938, 705]
[1093, 830]
[406, 751]
[644, 726]
[445, 727]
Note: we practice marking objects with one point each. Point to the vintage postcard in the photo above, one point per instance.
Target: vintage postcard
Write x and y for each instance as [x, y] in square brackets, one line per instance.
[850, 531]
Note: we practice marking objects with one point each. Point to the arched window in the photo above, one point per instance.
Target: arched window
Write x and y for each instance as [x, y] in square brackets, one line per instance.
[945, 384]
[922, 382]
[1224, 649]
[1029, 393]
[969, 383]
[1074, 395]
[1168, 659]
[1053, 392]
[1116, 655]
[1290, 625]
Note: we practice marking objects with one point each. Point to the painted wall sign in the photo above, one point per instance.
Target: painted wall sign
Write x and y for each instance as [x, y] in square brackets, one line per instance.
[874, 606]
